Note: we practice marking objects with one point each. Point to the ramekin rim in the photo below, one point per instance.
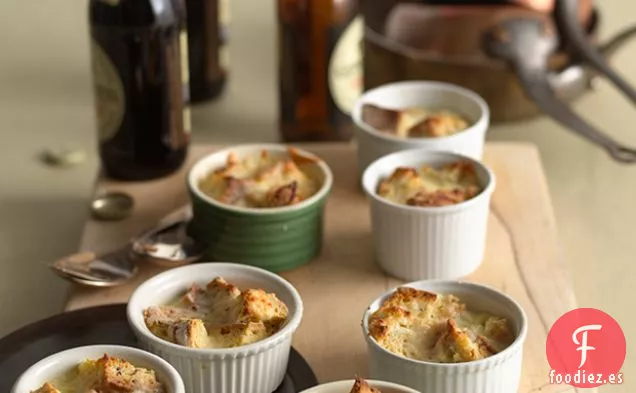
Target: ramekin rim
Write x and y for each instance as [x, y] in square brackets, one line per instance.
[477, 126]
[485, 193]
[515, 345]
[167, 370]
[373, 382]
[316, 198]
[240, 351]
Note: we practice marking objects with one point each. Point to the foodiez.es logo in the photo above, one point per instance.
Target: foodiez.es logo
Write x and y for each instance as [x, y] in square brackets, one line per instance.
[586, 348]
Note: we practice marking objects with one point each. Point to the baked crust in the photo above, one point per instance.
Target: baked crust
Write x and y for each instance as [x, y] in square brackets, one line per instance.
[46, 388]
[262, 180]
[120, 376]
[450, 184]
[361, 386]
[439, 328]
[108, 375]
[414, 122]
[218, 316]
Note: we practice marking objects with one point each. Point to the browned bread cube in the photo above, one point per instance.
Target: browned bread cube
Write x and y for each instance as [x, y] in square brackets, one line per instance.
[46, 388]
[361, 386]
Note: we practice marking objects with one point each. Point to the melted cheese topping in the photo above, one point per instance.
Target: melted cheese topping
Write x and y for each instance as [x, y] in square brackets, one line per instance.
[451, 184]
[261, 180]
[218, 316]
[414, 122]
[105, 375]
[437, 328]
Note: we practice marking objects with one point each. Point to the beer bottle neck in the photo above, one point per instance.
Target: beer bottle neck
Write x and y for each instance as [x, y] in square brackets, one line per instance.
[133, 13]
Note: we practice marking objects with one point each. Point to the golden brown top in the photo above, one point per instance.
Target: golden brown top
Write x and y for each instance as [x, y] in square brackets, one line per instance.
[261, 180]
[105, 375]
[218, 316]
[46, 388]
[451, 184]
[361, 386]
[437, 328]
[414, 122]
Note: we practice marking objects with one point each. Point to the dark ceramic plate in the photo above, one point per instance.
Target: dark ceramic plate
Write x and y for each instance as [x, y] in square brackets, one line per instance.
[93, 326]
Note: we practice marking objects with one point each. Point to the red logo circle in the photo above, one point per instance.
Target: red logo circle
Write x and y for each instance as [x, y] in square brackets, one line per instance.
[586, 348]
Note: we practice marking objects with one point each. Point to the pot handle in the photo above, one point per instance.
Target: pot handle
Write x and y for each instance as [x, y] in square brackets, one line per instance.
[526, 43]
[576, 78]
[610, 47]
[571, 32]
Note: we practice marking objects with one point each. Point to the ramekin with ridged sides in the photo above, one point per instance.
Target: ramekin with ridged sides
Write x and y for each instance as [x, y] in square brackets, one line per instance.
[500, 373]
[373, 143]
[418, 243]
[276, 239]
[58, 364]
[345, 387]
[254, 368]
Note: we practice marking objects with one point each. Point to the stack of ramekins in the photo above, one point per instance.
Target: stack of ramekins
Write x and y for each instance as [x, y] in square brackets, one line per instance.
[434, 246]
[414, 242]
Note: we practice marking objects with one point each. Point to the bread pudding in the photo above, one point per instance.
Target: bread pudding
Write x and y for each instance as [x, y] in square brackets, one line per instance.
[262, 180]
[427, 186]
[217, 316]
[437, 328]
[105, 375]
[414, 122]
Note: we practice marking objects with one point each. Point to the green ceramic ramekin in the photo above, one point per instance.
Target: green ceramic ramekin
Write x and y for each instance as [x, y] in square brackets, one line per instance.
[276, 239]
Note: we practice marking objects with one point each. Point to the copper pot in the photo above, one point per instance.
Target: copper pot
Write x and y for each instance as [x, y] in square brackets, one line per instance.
[585, 8]
[523, 56]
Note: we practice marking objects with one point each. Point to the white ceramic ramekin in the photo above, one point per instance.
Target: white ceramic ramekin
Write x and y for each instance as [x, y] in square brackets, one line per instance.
[418, 243]
[255, 368]
[345, 387]
[373, 144]
[499, 373]
[58, 364]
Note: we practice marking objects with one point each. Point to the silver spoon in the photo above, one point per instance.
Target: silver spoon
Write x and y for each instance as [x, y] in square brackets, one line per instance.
[167, 244]
[98, 271]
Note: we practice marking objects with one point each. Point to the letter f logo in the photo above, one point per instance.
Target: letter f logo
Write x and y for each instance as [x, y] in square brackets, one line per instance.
[583, 344]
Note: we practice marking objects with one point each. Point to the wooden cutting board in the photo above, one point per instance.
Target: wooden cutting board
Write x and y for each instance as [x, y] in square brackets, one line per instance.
[522, 258]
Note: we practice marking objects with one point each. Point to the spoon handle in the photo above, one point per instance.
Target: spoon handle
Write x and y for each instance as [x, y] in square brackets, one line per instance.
[63, 271]
[177, 217]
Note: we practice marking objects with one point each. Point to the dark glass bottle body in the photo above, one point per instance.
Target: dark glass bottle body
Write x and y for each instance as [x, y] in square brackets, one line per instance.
[320, 68]
[137, 53]
[207, 47]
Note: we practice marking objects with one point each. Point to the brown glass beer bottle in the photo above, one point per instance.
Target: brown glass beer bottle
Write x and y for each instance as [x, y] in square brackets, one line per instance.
[320, 68]
[208, 22]
[138, 54]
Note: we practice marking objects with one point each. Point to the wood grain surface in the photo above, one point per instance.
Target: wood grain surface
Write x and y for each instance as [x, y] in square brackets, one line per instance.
[522, 258]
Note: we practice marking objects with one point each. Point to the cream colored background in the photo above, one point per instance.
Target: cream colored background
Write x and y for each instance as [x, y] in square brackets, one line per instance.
[45, 101]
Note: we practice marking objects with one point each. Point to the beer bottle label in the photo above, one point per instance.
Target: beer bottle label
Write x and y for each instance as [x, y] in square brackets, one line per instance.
[345, 66]
[224, 23]
[185, 68]
[110, 99]
[185, 80]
